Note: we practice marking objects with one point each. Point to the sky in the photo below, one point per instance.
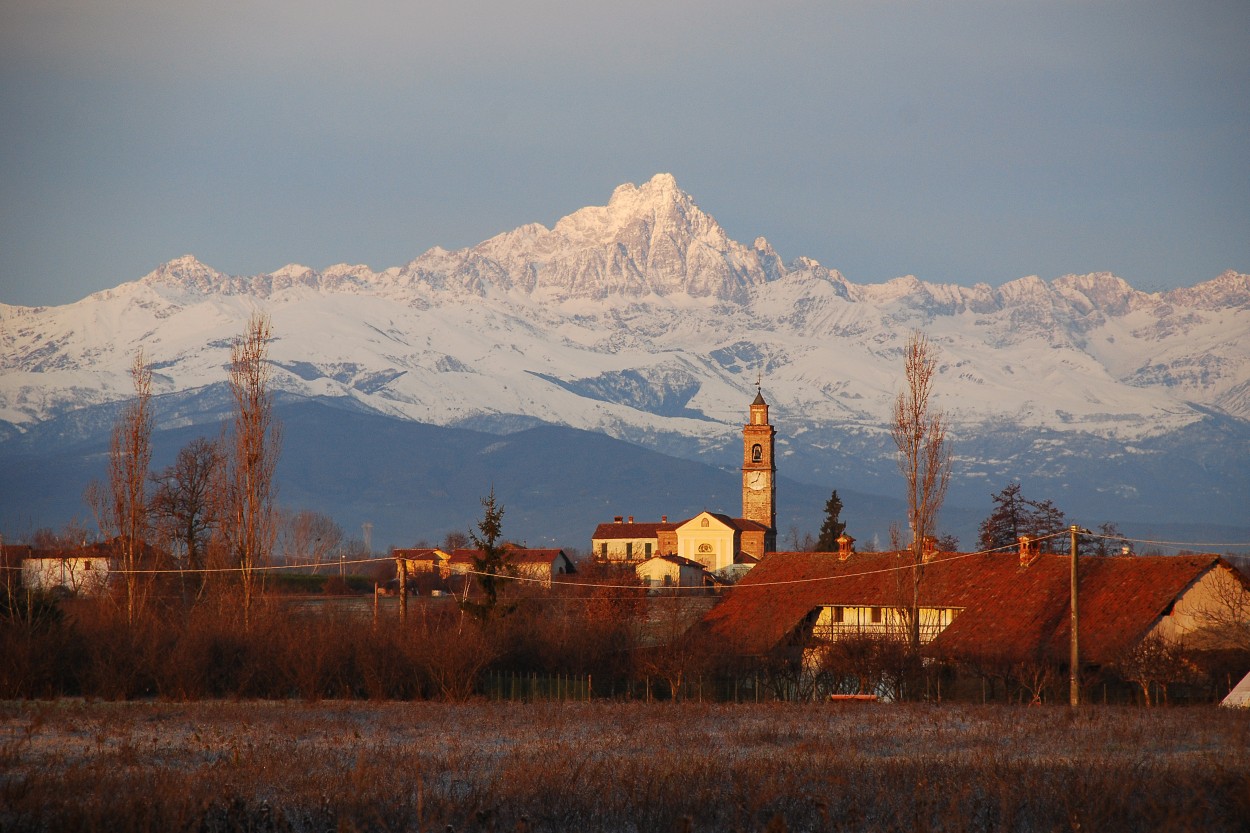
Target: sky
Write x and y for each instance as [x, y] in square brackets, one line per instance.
[961, 142]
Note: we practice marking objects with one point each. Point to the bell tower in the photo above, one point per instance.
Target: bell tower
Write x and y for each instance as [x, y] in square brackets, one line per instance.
[759, 471]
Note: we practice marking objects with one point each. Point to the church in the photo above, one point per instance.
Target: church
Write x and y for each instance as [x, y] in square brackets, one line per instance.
[710, 539]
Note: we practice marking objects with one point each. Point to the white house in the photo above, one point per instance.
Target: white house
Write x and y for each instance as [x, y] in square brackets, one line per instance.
[80, 575]
[672, 571]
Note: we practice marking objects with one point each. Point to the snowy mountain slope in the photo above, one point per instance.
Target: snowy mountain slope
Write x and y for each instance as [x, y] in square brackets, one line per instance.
[642, 320]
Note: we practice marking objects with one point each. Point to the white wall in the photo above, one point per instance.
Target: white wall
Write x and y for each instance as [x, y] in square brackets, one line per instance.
[84, 576]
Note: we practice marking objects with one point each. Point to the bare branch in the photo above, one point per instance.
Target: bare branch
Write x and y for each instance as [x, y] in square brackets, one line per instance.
[130, 454]
[249, 523]
[920, 433]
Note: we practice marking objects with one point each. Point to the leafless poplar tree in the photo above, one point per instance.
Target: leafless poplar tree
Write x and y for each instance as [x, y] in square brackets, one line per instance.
[251, 455]
[924, 459]
[130, 454]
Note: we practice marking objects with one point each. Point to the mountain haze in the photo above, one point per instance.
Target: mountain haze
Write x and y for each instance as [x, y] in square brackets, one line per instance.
[643, 321]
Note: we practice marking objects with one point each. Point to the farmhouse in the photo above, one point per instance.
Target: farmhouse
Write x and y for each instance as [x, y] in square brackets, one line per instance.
[977, 608]
[423, 560]
[628, 542]
[79, 575]
[82, 571]
[541, 565]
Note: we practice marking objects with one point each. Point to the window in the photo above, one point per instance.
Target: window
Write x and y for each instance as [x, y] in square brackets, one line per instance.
[603, 550]
[705, 547]
[629, 549]
[704, 523]
[646, 549]
[839, 615]
[876, 616]
[668, 580]
[757, 453]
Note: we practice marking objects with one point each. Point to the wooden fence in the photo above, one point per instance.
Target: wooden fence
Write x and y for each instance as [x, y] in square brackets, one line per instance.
[509, 685]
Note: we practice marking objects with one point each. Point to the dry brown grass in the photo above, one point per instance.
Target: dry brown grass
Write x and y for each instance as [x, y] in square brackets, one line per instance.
[600, 766]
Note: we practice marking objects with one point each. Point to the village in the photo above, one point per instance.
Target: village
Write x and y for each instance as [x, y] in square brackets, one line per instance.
[840, 685]
[715, 607]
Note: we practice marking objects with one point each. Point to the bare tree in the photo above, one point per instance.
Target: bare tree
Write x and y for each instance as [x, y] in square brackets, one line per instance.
[308, 537]
[130, 454]
[672, 646]
[251, 455]
[924, 459]
[184, 502]
[1153, 664]
[1225, 619]
[451, 654]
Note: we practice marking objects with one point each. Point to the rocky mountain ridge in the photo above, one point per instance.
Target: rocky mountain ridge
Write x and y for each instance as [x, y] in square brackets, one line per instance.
[643, 320]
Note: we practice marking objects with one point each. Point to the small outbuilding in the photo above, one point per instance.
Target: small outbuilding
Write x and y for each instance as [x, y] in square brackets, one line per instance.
[1239, 697]
[665, 571]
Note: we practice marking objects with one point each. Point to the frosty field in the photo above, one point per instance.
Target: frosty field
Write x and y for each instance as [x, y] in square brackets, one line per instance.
[618, 766]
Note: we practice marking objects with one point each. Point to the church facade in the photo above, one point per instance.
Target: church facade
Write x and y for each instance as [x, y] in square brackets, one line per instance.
[711, 539]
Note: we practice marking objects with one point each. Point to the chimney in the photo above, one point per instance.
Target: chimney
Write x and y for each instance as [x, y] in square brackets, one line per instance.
[618, 519]
[664, 519]
[631, 519]
[1126, 550]
[1028, 550]
[929, 549]
[846, 545]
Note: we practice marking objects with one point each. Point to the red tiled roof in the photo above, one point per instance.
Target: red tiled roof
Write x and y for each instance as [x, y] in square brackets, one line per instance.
[679, 560]
[520, 555]
[1008, 611]
[515, 555]
[462, 556]
[1120, 600]
[416, 553]
[14, 553]
[612, 531]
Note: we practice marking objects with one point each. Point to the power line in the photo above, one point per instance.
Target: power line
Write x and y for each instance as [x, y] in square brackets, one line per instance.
[669, 591]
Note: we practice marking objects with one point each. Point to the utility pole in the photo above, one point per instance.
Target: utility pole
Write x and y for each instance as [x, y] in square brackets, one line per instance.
[403, 590]
[1074, 667]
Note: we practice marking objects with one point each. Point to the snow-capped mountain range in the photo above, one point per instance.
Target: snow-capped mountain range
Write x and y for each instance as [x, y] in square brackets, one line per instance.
[643, 320]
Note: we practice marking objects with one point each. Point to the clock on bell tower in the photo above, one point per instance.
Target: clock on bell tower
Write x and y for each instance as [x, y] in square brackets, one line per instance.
[759, 472]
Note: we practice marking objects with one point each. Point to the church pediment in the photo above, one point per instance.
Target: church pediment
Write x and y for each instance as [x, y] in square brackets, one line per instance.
[705, 521]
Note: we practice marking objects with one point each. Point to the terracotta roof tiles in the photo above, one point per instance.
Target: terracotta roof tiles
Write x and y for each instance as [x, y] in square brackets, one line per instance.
[611, 531]
[1006, 611]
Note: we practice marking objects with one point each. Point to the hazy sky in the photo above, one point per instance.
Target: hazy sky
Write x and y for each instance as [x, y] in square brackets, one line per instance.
[957, 141]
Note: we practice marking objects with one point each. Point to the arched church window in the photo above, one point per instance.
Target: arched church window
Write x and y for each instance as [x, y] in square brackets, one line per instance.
[705, 547]
[704, 523]
[757, 453]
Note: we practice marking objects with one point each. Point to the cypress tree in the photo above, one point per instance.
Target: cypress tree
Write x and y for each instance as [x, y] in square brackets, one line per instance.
[833, 526]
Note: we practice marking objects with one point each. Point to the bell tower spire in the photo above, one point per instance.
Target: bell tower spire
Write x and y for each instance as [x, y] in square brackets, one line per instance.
[759, 470]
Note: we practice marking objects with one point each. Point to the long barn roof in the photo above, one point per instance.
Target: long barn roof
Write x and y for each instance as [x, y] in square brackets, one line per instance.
[1006, 610]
